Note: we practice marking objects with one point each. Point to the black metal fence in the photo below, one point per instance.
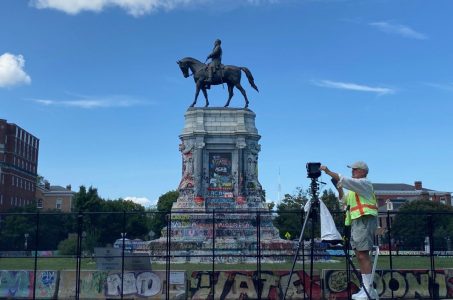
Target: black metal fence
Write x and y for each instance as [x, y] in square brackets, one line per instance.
[30, 241]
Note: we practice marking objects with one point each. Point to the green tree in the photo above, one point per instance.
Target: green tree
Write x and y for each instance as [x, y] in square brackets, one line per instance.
[68, 246]
[158, 216]
[53, 227]
[411, 224]
[105, 220]
[290, 214]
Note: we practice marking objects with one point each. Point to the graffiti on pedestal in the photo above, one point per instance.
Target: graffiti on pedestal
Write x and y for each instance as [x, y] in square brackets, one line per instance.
[407, 284]
[187, 180]
[246, 285]
[220, 175]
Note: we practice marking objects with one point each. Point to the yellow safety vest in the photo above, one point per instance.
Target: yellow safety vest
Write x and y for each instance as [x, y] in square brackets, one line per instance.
[359, 206]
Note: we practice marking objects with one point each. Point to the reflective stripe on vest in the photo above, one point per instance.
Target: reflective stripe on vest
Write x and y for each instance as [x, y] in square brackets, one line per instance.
[359, 208]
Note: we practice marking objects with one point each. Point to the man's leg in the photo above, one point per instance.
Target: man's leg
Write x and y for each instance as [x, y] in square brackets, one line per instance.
[363, 234]
[210, 74]
[364, 261]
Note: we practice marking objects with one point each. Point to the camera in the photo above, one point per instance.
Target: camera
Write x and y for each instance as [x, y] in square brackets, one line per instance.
[313, 170]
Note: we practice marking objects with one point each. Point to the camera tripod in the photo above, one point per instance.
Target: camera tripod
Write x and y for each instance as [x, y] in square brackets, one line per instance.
[312, 213]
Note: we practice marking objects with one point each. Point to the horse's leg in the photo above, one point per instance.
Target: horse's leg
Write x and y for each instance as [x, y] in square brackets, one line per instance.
[230, 93]
[197, 91]
[205, 93]
[240, 88]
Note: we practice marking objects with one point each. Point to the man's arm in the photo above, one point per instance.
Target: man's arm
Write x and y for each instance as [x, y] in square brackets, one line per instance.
[330, 173]
[335, 180]
[361, 186]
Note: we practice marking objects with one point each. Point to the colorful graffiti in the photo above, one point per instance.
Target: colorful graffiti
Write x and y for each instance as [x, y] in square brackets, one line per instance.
[19, 284]
[224, 285]
[246, 285]
[102, 284]
[220, 175]
[401, 284]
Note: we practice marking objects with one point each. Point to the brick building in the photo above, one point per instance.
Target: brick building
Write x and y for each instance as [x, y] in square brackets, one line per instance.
[390, 196]
[18, 166]
[396, 192]
[54, 197]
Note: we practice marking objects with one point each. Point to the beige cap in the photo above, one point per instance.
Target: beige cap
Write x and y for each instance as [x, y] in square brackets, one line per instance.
[359, 165]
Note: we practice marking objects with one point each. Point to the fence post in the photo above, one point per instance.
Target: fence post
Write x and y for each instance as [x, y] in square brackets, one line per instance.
[167, 262]
[434, 287]
[122, 253]
[389, 236]
[258, 250]
[78, 257]
[213, 254]
[36, 254]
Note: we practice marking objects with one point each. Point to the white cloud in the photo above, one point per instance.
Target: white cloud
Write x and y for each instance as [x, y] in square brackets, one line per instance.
[141, 200]
[12, 70]
[441, 86]
[93, 102]
[135, 8]
[353, 87]
[398, 29]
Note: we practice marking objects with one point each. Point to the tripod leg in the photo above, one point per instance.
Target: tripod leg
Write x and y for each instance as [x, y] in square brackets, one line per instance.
[375, 259]
[307, 214]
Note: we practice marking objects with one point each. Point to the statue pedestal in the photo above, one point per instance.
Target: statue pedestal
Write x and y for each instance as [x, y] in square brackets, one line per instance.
[219, 193]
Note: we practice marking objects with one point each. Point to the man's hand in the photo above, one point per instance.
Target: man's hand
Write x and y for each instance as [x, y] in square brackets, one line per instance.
[324, 168]
[330, 173]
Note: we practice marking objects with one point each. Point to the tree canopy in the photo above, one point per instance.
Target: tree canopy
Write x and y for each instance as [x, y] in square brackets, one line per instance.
[290, 214]
[412, 224]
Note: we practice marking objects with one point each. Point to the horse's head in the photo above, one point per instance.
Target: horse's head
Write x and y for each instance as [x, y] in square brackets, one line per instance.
[184, 66]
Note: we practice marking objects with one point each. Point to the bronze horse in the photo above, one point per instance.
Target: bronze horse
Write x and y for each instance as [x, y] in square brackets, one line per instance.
[231, 75]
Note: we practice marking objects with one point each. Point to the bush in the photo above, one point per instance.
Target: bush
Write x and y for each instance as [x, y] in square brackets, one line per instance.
[68, 246]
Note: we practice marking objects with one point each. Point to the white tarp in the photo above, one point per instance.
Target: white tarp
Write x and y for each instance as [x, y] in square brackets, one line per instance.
[329, 231]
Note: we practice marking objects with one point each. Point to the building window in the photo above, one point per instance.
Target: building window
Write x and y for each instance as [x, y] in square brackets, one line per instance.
[443, 199]
[39, 203]
[58, 204]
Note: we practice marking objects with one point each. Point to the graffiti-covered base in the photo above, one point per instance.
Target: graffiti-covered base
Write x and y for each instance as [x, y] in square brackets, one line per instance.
[220, 195]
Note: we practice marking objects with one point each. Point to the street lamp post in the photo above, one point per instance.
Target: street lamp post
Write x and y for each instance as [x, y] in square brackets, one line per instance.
[84, 235]
[26, 235]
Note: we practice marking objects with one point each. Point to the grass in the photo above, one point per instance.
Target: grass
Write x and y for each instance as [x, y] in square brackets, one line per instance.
[59, 263]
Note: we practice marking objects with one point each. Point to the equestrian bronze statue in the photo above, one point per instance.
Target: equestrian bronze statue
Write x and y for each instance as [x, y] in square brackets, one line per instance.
[214, 74]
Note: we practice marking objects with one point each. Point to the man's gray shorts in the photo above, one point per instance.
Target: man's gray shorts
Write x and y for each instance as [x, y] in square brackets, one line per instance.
[362, 232]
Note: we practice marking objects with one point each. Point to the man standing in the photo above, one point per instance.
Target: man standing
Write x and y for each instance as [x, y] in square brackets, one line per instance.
[216, 60]
[362, 217]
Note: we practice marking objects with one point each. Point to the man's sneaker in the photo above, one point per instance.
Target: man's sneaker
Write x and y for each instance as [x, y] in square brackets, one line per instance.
[359, 295]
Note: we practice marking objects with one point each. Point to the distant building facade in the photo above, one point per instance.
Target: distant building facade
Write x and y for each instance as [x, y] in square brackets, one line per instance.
[18, 166]
[398, 191]
[390, 196]
[54, 197]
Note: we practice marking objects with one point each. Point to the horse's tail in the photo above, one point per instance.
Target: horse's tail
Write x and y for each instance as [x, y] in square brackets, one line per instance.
[250, 78]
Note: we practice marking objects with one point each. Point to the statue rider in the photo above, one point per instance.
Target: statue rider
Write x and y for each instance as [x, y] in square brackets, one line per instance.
[216, 60]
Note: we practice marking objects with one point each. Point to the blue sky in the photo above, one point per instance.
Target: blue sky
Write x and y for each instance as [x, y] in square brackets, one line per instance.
[97, 83]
